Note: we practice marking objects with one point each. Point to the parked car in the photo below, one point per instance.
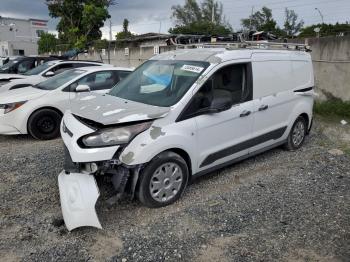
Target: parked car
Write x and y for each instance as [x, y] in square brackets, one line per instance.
[5, 59]
[180, 115]
[22, 64]
[41, 73]
[38, 110]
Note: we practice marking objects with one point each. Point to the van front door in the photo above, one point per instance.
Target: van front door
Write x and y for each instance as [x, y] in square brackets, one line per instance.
[224, 136]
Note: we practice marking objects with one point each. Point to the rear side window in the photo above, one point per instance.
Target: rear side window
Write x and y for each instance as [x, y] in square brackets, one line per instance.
[236, 78]
[25, 66]
[99, 80]
[61, 68]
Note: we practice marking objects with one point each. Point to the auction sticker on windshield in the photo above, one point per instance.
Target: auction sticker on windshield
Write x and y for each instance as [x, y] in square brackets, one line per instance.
[194, 69]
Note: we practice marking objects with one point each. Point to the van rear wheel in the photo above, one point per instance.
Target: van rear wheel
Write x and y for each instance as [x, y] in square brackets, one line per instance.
[163, 180]
[297, 134]
[44, 124]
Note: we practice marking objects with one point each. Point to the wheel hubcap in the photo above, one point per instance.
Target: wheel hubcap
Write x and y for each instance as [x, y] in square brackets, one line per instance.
[46, 125]
[298, 133]
[166, 182]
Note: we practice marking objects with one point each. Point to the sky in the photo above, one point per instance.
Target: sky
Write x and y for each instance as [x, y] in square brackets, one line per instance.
[155, 15]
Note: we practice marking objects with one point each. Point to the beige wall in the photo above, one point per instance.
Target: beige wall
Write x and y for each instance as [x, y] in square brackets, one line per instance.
[331, 59]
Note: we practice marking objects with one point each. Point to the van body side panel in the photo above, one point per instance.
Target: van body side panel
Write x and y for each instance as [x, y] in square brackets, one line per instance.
[273, 96]
[276, 104]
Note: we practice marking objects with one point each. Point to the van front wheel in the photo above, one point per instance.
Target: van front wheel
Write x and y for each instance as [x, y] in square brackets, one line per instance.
[297, 134]
[163, 180]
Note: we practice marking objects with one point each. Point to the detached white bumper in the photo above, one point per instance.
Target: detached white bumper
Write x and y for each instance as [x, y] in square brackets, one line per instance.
[78, 195]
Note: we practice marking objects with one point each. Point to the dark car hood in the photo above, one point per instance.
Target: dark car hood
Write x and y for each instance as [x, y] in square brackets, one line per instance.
[109, 110]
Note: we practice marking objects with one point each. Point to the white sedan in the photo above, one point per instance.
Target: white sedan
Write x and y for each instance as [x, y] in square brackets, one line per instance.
[38, 110]
[40, 73]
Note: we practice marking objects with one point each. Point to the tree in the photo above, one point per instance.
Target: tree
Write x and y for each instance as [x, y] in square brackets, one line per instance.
[207, 18]
[80, 20]
[261, 21]
[125, 33]
[291, 26]
[326, 29]
[47, 43]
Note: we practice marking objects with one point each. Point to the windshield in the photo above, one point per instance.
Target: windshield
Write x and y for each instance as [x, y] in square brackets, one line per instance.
[59, 80]
[37, 70]
[159, 83]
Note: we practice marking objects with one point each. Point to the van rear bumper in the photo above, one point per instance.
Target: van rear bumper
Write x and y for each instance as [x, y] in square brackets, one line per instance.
[311, 123]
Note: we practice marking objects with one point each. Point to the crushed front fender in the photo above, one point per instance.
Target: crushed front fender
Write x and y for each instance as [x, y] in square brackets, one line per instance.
[78, 196]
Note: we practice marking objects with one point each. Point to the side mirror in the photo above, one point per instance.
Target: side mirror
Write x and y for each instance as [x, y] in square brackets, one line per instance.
[222, 101]
[49, 74]
[82, 88]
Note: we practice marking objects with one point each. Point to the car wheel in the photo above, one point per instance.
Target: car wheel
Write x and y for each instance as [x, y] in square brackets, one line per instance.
[44, 124]
[297, 134]
[163, 180]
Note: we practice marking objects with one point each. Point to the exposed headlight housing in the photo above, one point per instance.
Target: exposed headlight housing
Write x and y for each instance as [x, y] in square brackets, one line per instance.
[114, 136]
[11, 106]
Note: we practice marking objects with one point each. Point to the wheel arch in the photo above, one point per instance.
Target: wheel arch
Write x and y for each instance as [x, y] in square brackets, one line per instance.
[184, 155]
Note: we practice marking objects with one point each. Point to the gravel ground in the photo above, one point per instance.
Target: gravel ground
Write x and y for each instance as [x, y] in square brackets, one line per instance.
[278, 206]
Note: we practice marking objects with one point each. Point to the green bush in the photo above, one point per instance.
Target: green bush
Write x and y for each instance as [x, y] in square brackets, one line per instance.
[333, 108]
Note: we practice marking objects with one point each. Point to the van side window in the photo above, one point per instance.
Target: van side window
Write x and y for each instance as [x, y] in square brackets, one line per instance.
[234, 78]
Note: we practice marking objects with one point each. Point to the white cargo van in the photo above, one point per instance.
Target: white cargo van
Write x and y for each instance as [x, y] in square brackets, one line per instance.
[180, 115]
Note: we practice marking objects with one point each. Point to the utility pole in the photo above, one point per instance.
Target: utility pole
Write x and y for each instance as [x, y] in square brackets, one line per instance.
[212, 13]
[250, 21]
[109, 42]
[320, 14]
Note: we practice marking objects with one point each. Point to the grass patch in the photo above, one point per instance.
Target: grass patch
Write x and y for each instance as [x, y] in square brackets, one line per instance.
[347, 151]
[333, 108]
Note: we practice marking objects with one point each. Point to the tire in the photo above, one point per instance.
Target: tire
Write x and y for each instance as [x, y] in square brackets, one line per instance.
[297, 134]
[44, 124]
[154, 177]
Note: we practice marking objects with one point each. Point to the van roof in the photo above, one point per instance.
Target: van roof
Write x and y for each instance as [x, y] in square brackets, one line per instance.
[219, 55]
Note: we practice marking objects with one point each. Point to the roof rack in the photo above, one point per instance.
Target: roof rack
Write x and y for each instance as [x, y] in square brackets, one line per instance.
[249, 45]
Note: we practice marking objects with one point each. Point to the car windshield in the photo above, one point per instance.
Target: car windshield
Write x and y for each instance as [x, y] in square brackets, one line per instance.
[159, 82]
[37, 70]
[59, 80]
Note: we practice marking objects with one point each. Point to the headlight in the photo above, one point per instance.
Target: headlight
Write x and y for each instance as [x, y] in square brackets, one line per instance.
[114, 136]
[11, 106]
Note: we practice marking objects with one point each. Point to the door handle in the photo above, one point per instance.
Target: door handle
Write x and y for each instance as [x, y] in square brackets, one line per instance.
[245, 113]
[263, 107]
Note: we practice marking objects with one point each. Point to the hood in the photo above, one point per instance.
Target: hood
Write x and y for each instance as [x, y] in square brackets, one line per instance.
[11, 76]
[109, 110]
[28, 81]
[21, 94]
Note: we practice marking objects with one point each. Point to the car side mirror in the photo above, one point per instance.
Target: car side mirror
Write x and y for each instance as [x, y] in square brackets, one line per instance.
[82, 88]
[49, 74]
[222, 101]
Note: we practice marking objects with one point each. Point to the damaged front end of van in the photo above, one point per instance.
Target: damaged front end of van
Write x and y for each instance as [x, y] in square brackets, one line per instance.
[94, 149]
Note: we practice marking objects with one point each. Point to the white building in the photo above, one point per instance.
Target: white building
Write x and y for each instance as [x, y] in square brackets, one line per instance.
[20, 36]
